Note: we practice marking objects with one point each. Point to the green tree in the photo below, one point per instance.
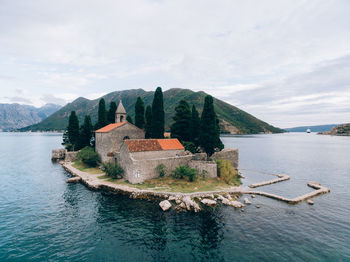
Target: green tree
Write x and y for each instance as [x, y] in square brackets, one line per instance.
[111, 112]
[194, 127]
[157, 125]
[86, 132]
[218, 143]
[73, 130]
[181, 127]
[148, 126]
[139, 113]
[129, 119]
[102, 115]
[209, 138]
[65, 141]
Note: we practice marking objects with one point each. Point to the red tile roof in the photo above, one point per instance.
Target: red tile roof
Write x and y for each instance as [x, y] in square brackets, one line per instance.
[141, 145]
[109, 127]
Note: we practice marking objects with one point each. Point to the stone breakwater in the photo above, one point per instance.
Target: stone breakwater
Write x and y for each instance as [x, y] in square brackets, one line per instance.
[189, 201]
[273, 181]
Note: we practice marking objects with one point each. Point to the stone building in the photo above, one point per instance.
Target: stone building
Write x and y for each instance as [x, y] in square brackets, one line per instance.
[124, 143]
[140, 157]
[109, 139]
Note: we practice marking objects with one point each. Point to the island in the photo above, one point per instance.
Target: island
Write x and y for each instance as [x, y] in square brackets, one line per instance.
[128, 160]
[341, 130]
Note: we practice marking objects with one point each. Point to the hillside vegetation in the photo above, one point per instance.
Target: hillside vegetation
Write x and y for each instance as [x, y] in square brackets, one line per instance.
[233, 120]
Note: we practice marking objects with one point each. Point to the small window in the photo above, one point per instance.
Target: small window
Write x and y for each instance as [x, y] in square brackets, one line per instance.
[126, 137]
[121, 118]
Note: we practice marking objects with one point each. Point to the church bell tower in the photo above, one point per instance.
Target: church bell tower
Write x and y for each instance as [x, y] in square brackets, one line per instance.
[120, 114]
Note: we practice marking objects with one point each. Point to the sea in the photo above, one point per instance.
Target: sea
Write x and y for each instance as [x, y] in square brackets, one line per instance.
[42, 218]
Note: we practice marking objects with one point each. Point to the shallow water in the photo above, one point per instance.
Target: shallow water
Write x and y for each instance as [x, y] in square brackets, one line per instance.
[44, 219]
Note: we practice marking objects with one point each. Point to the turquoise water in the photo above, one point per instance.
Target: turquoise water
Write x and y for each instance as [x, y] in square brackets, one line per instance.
[44, 219]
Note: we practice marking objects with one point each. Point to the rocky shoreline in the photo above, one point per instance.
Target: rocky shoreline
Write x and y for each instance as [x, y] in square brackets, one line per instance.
[188, 201]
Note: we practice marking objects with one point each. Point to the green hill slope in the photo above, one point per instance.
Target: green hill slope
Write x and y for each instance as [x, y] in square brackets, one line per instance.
[232, 119]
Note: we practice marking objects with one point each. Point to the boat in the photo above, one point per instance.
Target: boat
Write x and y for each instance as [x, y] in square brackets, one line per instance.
[308, 130]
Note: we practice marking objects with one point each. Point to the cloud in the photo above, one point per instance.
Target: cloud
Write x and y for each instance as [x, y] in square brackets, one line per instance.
[321, 92]
[51, 99]
[264, 56]
[18, 99]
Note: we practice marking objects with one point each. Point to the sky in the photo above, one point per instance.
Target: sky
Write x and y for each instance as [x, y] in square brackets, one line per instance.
[285, 62]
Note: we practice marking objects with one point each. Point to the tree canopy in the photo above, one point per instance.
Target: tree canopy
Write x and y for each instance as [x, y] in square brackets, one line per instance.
[209, 138]
[129, 119]
[111, 112]
[73, 130]
[195, 126]
[181, 127]
[102, 115]
[148, 126]
[86, 132]
[139, 113]
[157, 124]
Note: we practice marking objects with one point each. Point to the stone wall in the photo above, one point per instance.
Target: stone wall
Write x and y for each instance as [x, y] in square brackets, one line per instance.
[71, 156]
[144, 167]
[58, 154]
[63, 154]
[228, 154]
[208, 168]
[200, 156]
[112, 141]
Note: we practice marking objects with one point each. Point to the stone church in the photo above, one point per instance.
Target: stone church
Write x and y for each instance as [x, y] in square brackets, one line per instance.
[125, 144]
[109, 139]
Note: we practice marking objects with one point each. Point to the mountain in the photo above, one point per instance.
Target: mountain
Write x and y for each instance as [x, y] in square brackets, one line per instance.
[340, 130]
[14, 116]
[320, 128]
[232, 119]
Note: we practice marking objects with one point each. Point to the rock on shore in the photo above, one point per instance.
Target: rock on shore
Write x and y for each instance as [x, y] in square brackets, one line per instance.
[165, 205]
[73, 180]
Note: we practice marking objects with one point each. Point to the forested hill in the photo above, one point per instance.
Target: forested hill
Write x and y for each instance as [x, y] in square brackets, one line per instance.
[232, 119]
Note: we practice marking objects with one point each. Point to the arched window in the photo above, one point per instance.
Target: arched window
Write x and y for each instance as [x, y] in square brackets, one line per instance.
[121, 118]
[126, 137]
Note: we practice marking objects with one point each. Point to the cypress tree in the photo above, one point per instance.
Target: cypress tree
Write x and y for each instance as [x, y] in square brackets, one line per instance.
[86, 132]
[195, 126]
[157, 125]
[102, 115]
[148, 126]
[73, 130]
[218, 143]
[139, 113]
[209, 138]
[181, 127]
[111, 112]
[129, 119]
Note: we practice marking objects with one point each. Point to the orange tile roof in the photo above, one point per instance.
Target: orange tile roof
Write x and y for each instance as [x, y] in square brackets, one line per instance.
[169, 144]
[142, 145]
[109, 127]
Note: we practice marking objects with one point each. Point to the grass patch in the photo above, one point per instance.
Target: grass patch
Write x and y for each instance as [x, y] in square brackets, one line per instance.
[171, 184]
[85, 168]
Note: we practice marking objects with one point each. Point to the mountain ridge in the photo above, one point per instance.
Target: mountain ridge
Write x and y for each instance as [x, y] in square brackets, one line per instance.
[232, 118]
[14, 116]
[315, 128]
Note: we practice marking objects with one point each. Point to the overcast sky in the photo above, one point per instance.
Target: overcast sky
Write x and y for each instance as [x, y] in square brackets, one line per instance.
[286, 62]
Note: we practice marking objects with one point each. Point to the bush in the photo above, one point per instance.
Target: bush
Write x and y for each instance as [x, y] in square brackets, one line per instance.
[190, 146]
[185, 171]
[88, 156]
[113, 170]
[227, 172]
[161, 170]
